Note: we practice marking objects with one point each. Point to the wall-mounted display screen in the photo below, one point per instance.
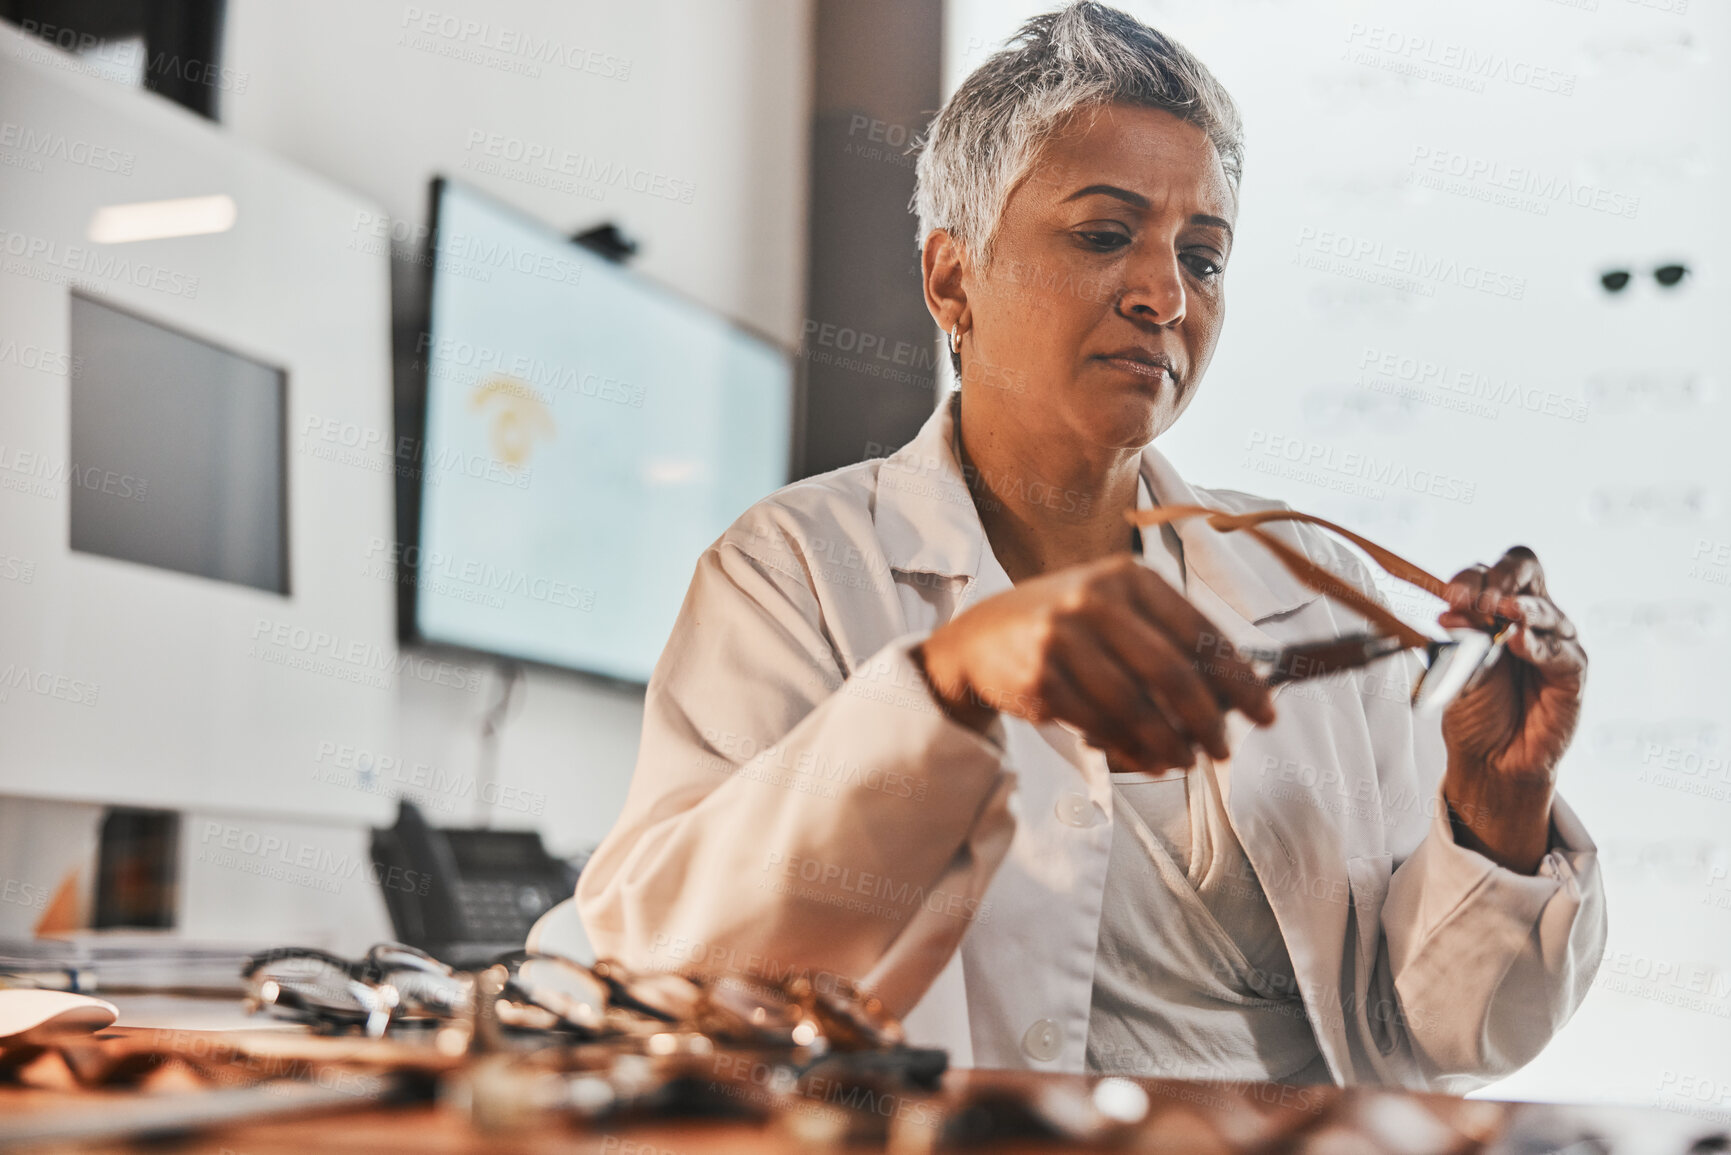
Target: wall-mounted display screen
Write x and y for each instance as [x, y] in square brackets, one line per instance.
[587, 434]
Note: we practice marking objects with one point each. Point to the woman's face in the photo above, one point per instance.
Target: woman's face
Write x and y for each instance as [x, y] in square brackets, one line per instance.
[1107, 286]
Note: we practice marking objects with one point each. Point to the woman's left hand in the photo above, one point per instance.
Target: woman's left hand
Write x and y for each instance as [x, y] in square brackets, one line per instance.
[1507, 731]
[1518, 718]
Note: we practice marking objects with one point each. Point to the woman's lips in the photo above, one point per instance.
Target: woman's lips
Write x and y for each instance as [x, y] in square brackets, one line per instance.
[1156, 374]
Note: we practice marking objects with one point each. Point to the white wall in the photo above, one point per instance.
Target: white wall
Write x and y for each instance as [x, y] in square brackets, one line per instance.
[715, 94]
[710, 97]
[1347, 103]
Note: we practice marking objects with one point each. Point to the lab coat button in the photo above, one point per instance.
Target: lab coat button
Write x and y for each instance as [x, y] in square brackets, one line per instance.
[1075, 809]
[1042, 1041]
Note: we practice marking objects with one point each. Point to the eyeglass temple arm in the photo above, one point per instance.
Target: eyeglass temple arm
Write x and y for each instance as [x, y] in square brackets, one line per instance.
[1307, 571]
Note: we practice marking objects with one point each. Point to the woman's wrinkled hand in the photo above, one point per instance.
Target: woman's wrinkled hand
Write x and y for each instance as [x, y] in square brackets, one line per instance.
[1107, 647]
[1508, 729]
[1517, 718]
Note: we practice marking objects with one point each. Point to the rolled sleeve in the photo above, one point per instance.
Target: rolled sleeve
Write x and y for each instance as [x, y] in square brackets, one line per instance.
[1489, 963]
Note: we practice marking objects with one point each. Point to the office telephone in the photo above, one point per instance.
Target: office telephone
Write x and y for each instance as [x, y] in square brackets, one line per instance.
[465, 895]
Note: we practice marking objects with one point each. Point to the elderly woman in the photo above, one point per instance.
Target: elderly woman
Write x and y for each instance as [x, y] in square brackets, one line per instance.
[944, 724]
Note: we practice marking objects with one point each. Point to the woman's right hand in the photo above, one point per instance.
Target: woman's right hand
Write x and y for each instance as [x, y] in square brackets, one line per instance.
[1107, 647]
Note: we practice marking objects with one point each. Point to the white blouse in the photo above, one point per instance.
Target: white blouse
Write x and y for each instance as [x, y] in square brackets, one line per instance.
[1192, 977]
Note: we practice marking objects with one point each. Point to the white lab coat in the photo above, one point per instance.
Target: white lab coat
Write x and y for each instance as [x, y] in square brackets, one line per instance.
[801, 803]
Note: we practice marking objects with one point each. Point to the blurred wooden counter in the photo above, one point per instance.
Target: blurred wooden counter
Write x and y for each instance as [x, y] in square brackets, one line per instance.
[1180, 1117]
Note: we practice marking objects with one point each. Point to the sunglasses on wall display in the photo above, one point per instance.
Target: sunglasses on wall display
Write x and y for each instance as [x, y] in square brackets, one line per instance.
[1450, 664]
[1668, 277]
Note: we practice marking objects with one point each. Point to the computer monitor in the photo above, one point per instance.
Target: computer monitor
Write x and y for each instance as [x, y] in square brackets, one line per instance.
[587, 434]
[195, 470]
[187, 442]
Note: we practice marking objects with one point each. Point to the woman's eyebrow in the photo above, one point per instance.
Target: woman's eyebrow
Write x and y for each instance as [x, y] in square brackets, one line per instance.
[1123, 194]
[1137, 200]
[1218, 222]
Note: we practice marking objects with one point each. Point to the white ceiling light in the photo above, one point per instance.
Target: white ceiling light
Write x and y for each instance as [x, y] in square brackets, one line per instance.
[154, 220]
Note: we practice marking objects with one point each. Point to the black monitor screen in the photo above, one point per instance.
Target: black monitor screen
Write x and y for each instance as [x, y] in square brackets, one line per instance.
[177, 451]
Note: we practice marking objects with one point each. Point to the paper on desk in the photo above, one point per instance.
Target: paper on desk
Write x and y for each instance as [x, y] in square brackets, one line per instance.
[30, 1016]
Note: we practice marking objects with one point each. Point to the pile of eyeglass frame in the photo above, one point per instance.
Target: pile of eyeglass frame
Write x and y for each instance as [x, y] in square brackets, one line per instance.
[536, 1036]
[544, 1033]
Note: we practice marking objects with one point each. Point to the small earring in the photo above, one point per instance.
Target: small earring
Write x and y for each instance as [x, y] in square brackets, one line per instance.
[956, 338]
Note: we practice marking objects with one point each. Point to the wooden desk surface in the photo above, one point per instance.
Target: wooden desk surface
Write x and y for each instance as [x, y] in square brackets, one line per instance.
[1183, 1117]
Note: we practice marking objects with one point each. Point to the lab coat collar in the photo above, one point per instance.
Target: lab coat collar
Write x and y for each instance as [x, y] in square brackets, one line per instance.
[1239, 570]
[926, 520]
[927, 523]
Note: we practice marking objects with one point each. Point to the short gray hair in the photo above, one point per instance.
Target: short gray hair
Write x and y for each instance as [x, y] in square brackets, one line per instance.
[986, 137]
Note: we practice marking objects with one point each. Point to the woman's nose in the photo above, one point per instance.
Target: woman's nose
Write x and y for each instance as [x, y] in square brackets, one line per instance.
[1154, 292]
